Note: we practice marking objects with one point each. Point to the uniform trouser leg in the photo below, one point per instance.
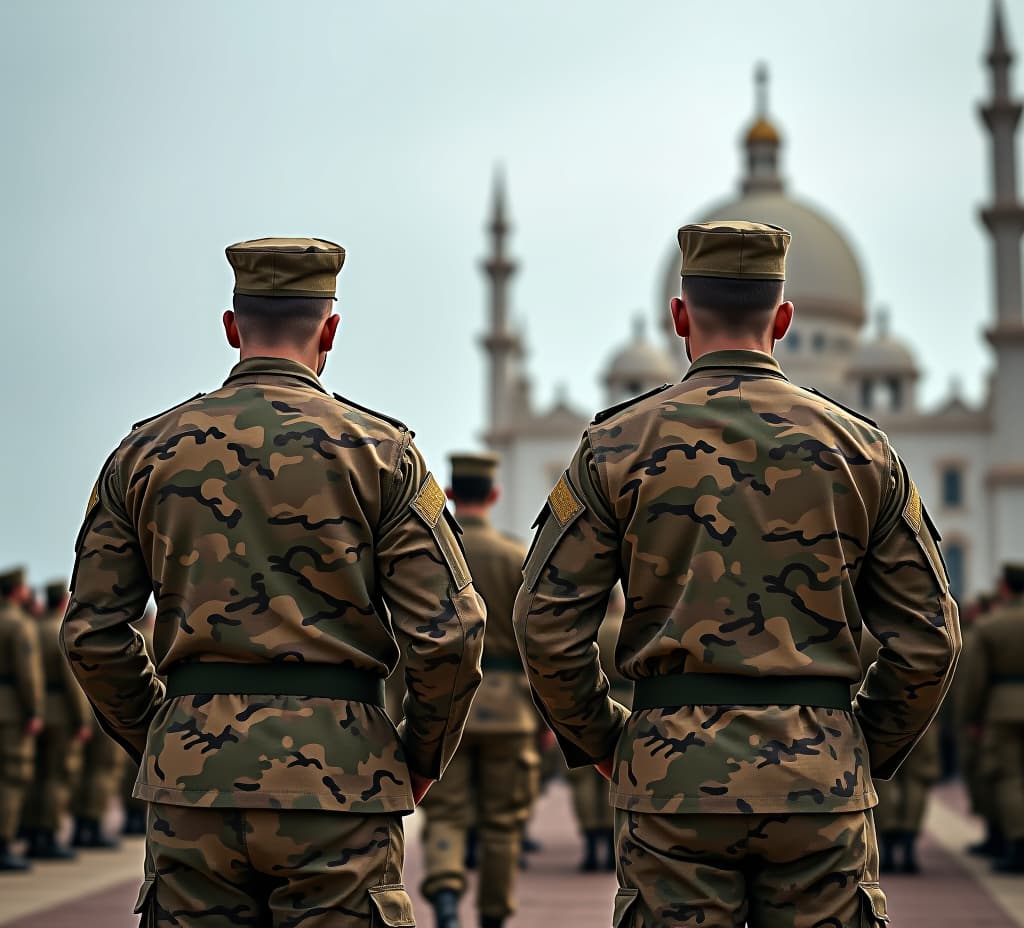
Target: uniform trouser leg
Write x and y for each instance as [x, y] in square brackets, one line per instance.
[508, 772]
[58, 765]
[590, 799]
[724, 871]
[1008, 747]
[449, 809]
[101, 776]
[222, 868]
[890, 799]
[16, 759]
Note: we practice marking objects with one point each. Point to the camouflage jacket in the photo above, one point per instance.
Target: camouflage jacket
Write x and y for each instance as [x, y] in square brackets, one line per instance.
[755, 526]
[503, 704]
[992, 684]
[274, 522]
[21, 667]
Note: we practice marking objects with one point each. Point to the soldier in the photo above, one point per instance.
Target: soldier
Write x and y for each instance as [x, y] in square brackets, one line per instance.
[135, 809]
[993, 697]
[295, 543]
[103, 766]
[590, 789]
[753, 525]
[492, 781]
[68, 721]
[22, 706]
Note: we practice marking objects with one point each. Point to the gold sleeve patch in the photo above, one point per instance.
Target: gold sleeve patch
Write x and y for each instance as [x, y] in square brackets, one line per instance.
[430, 501]
[564, 503]
[94, 497]
[912, 512]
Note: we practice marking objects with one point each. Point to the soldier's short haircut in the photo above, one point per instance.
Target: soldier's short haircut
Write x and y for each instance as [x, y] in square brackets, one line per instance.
[471, 489]
[725, 304]
[271, 319]
[54, 598]
[7, 586]
[1014, 580]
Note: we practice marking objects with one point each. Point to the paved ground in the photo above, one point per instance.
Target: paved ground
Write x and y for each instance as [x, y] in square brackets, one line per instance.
[954, 891]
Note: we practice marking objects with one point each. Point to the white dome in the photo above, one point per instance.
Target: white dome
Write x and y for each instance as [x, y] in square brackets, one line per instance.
[823, 276]
[641, 363]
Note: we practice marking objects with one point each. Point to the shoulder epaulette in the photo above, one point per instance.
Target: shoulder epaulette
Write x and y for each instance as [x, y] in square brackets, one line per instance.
[142, 422]
[625, 404]
[401, 426]
[853, 412]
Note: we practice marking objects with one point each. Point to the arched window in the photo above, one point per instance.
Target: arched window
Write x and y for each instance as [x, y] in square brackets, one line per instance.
[952, 486]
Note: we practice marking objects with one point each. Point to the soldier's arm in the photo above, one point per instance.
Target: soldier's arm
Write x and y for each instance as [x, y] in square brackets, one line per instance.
[437, 615]
[568, 578]
[28, 672]
[109, 590]
[904, 596]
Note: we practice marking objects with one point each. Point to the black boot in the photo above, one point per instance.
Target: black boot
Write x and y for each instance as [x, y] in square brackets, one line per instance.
[472, 848]
[11, 862]
[1013, 860]
[908, 841]
[590, 863]
[88, 834]
[134, 822]
[994, 844]
[489, 921]
[887, 852]
[446, 908]
[43, 846]
[608, 839]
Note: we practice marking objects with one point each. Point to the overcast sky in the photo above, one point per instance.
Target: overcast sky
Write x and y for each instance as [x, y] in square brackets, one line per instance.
[141, 138]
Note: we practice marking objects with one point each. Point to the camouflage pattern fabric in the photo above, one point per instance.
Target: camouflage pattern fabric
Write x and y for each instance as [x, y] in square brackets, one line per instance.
[756, 527]
[225, 868]
[274, 522]
[726, 871]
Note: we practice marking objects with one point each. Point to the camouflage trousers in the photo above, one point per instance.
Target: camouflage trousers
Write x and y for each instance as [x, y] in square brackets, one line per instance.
[766, 871]
[16, 752]
[261, 868]
[58, 765]
[590, 800]
[102, 767]
[491, 783]
[1008, 762]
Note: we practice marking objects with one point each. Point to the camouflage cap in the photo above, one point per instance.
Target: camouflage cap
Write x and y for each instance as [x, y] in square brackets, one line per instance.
[474, 464]
[12, 576]
[286, 266]
[734, 248]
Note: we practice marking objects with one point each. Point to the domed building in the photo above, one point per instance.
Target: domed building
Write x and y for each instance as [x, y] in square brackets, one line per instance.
[968, 462]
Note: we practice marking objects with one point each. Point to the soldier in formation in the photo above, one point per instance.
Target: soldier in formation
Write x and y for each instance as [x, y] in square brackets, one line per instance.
[22, 709]
[991, 696]
[752, 523]
[298, 545]
[68, 727]
[492, 781]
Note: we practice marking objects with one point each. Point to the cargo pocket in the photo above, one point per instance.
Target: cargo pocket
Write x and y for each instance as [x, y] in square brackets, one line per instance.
[624, 913]
[391, 906]
[145, 905]
[872, 906]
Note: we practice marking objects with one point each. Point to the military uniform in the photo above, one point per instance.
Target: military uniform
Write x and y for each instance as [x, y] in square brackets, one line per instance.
[22, 698]
[492, 781]
[135, 809]
[993, 696]
[589, 789]
[58, 756]
[754, 526]
[296, 544]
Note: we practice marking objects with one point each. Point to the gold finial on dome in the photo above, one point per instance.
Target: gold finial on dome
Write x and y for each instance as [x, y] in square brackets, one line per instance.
[762, 130]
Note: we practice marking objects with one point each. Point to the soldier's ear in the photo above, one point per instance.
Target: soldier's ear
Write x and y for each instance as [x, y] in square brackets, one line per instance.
[329, 331]
[783, 320]
[493, 496]
[680, 317]
[449, 493]
[231, 329]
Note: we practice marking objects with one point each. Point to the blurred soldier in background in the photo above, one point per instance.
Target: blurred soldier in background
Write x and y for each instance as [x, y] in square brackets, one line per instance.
[493, 779]
[135, 809]
[22, 708]
[68, 720]
[103, 766]
[590, 800]
[297, 544]
[753, 524]
[993, 697]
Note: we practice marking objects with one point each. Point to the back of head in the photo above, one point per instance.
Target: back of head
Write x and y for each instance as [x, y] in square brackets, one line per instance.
[1013, 579]
[473, 476]
[12, 581]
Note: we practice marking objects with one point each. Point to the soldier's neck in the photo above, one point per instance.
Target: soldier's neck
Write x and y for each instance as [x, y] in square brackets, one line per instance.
[706, 345]
[306, 356]
[472, 511]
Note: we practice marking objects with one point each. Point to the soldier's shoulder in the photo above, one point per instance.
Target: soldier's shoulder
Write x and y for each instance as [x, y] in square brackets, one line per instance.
[156, 417]
[839, 409]
[372, 419]
[1011, 614]
[635, 404]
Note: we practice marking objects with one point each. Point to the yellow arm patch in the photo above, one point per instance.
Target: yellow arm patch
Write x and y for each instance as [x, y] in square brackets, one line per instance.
[912, 512]
[430, 501]
[429, 505]
[564, 503]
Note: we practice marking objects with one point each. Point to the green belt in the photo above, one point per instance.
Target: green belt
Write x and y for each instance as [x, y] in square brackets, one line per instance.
[292, 679]
[495, 662]
[708, 689]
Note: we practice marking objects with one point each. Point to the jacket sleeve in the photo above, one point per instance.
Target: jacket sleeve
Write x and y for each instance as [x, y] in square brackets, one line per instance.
[109, 590]
[28, 672]
[904, 597]
[569, 574]
[437, 616]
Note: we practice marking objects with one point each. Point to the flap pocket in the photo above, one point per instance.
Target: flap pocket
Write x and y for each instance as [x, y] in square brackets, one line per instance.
[873, 899]
[145, 891]
[624, 907]
[393, 906]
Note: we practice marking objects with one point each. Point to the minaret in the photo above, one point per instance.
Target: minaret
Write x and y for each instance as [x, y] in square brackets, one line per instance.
[502, 345]
[1004, 219]
[762, 142]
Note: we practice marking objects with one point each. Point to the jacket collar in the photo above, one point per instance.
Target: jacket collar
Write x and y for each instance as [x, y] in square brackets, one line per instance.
[736, 360]
[253, 369]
